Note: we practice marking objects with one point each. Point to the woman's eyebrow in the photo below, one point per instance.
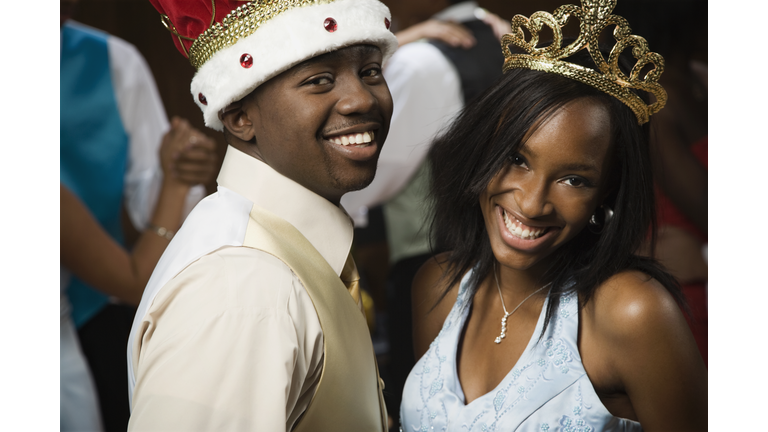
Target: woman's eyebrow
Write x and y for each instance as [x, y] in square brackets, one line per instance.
[570, 166]
[577, 166]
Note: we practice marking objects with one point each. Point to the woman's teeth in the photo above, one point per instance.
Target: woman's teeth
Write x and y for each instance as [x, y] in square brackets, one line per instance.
[519, 230]
[353, 139]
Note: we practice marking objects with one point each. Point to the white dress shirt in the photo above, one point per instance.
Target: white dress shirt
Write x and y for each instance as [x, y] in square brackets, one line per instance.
[226, 337]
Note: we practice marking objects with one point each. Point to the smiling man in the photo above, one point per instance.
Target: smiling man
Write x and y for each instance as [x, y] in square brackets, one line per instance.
[252, 319]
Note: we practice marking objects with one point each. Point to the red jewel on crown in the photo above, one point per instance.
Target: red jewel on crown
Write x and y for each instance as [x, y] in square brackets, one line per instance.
[386, 23]
[246, 61]
[330, 25]
[202, 99]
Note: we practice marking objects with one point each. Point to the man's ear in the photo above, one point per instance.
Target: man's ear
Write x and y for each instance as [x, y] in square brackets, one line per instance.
[237, 121]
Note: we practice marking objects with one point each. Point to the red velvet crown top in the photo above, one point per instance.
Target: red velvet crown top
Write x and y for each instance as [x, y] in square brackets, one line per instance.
[189, 18]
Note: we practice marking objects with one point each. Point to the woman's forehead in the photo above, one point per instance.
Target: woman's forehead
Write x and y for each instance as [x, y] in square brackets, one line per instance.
[579, 128]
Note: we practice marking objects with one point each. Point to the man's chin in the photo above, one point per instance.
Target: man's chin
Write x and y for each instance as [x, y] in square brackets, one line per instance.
[360, 185]
[356, 183]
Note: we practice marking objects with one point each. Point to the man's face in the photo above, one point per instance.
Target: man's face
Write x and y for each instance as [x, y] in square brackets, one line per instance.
[311, 122]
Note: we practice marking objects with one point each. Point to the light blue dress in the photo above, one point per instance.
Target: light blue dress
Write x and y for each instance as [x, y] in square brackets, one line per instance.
[547, 390]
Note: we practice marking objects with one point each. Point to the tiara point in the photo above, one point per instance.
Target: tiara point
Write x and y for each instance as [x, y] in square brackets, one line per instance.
[594, 17]
[246, 61]
[330, 25]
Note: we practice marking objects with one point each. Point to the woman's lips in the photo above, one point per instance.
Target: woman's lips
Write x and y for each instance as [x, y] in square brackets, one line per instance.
[518, 229]
[521, 236]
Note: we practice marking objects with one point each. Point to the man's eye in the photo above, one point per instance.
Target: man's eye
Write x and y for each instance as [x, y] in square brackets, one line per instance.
[372, 72]
[320, 81]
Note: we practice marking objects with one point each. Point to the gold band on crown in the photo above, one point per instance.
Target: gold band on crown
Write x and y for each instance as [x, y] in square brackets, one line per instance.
[241, 22]
[594, 16]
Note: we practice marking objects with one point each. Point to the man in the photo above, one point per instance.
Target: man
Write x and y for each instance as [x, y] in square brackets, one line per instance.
[430, 82]
[247, 322]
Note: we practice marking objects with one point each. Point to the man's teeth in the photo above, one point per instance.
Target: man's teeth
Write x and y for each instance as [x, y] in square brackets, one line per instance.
[519, 230]
[353, 139]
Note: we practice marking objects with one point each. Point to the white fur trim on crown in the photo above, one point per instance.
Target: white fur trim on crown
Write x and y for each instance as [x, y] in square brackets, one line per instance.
[283, 42]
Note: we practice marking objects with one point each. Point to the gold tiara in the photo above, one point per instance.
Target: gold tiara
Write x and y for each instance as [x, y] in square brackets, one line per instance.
[594, 16]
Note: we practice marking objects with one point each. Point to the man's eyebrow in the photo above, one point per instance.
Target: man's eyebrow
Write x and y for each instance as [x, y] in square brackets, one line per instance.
[364, 49]
[303, 66]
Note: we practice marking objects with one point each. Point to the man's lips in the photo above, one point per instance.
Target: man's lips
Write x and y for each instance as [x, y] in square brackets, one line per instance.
[350, 132]
[358, 144]
[353, 138]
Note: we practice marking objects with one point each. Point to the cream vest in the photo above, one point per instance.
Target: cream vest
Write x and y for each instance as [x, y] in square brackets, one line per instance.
[348, 396]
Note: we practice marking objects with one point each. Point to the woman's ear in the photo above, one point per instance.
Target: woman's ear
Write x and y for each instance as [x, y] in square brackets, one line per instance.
[237, 121]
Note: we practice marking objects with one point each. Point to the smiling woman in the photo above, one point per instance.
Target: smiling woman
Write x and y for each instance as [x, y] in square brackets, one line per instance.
[543, 193]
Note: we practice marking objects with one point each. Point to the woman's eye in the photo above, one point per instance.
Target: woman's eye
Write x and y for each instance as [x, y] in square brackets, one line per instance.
[518, 160]
[575, 182]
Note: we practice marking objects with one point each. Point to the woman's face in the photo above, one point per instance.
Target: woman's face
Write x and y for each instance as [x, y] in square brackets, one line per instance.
[548, 191]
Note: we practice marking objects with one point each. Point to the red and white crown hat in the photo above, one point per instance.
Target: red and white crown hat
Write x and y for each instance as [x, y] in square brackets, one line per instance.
[236, 46]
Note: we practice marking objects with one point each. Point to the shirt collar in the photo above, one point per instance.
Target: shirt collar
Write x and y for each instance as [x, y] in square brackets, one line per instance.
[461, 12]
[327, 227]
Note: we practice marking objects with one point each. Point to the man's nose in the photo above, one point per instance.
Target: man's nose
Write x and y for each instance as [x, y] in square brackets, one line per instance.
[356, 97]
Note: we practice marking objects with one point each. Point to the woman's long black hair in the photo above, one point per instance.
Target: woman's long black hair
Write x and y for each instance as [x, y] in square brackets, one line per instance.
[482, 141]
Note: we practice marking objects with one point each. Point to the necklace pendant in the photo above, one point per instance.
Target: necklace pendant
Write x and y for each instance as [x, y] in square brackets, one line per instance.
[501, 336]
[503, 306]
[503, 329]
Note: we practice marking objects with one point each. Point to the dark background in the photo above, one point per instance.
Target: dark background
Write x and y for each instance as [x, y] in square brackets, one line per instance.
[137, 22]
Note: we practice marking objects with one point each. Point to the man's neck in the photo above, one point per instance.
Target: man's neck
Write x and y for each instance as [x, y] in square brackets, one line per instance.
[252, 150]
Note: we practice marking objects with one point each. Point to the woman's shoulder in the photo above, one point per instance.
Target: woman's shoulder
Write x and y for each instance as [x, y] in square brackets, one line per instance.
[433, 297]
[630, 301]
[635, 341]
[433, 286]
[630, 317]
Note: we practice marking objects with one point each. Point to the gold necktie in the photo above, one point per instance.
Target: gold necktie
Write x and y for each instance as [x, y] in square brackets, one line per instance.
[351, 279]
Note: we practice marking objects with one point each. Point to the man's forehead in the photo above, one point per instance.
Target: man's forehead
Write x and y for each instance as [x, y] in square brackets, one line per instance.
[348, 52]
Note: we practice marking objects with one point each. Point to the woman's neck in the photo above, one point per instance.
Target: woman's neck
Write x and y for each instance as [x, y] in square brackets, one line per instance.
[517, 282]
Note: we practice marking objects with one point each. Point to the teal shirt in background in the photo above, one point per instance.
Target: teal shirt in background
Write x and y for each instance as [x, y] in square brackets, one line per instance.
[93, 144]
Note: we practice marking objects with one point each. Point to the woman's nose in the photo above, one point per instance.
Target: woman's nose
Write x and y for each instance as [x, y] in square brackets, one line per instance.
[531, 196]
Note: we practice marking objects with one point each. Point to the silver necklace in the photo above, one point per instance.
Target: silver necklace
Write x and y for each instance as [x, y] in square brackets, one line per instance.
[507, 314]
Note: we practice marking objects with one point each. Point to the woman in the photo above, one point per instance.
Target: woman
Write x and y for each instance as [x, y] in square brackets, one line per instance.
[187, 158]
[540, 316]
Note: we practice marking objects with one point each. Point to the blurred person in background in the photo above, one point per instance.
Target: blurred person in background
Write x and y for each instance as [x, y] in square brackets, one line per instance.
[113, 187]
[679, 145]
